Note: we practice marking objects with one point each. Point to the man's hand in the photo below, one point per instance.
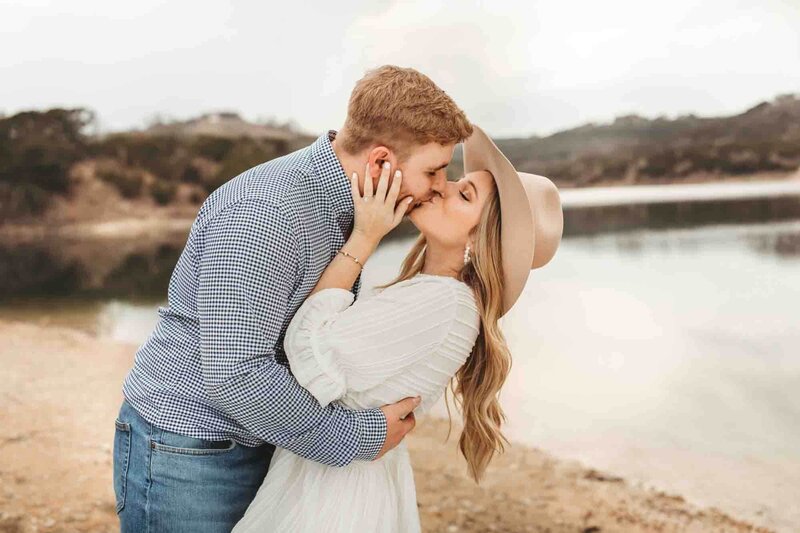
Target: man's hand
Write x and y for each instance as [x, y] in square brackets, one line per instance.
[399, 421]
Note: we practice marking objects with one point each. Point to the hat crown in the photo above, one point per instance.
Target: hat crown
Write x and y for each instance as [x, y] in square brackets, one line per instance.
[545, 204]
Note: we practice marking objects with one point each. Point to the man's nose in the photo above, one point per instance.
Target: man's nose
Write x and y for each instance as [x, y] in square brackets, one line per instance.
[439, 183]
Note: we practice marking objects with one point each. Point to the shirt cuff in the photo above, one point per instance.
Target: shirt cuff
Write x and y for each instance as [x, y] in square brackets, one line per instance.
[371, 425]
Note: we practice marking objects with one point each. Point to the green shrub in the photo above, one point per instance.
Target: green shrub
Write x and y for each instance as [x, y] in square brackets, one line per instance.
[128, 182]
[214, 148]
[246, 153]
[191, 174]
[163, 192]
[163, 156]
[37, 151]
[197, 197]
[22, 200]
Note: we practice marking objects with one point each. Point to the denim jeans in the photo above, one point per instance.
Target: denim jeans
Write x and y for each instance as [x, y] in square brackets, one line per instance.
[169, 483]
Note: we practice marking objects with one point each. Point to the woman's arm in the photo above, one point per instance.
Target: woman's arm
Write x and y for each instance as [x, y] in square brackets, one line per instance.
[375, 216]
[335, 346]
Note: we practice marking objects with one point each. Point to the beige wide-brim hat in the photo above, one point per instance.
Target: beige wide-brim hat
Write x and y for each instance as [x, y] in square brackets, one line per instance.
[531, 216]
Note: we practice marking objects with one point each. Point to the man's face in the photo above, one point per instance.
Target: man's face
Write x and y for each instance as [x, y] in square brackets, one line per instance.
[425, 172]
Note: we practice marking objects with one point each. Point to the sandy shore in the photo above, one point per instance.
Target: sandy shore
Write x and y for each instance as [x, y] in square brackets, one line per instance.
[61, 389]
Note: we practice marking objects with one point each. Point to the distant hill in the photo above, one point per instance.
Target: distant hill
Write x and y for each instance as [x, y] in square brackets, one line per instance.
[50, 165]
[222, 124]
[634, 149]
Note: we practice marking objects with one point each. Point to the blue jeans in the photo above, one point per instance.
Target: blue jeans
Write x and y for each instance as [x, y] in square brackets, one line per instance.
[169, 483]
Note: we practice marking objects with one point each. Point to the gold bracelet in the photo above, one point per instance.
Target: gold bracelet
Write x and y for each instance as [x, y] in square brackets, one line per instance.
[354, 258]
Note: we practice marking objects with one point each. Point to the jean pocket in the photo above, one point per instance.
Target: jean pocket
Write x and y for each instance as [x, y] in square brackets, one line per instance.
[122, 455]
[175, 444]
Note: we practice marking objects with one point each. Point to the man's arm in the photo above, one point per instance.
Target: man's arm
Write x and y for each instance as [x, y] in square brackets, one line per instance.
[248, 268]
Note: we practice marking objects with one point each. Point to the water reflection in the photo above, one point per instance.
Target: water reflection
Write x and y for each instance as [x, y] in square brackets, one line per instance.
[781, 244]
[624, 217]
[89, 268]
[32, 269]
[780, 239]
[140, 269]
[104, 287]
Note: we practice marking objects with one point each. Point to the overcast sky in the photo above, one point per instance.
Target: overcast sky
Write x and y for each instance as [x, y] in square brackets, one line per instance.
[517, 68]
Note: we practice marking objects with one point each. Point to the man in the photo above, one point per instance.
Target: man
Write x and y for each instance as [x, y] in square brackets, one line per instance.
[210, 393]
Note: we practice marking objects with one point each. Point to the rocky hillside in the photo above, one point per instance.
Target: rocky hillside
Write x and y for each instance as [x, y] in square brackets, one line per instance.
[634, 149]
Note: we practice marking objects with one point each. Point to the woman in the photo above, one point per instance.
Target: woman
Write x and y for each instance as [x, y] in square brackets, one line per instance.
[438, 320]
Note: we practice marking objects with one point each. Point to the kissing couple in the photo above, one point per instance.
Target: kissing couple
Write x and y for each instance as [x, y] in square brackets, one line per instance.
[268, 397]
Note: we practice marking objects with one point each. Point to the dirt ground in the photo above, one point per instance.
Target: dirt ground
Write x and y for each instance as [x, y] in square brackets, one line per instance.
[60, 391]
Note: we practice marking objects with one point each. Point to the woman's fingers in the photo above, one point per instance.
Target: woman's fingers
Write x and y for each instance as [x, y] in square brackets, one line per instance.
[376, 218]
[394, 190]
[367, 183]
[383, 182]
[354, 186]
[400, 210]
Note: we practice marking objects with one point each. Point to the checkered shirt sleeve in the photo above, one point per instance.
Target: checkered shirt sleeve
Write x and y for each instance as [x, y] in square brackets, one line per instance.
[248, 267]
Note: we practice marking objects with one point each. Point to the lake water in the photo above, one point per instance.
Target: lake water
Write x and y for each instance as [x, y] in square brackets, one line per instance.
[670, 357]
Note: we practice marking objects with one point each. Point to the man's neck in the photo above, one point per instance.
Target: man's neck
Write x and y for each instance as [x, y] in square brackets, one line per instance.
[350, 163]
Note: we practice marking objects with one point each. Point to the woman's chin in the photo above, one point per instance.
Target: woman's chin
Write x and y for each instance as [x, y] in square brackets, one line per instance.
[417, 218]
[419, 222]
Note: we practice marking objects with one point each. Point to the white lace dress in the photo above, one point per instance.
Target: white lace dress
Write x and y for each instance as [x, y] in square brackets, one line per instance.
[405, 340]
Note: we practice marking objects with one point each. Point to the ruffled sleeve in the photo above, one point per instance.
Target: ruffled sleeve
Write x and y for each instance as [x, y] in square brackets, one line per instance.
[313, 365]
[407, 339]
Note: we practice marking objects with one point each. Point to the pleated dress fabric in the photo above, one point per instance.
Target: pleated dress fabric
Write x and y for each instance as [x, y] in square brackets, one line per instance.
[406, 340]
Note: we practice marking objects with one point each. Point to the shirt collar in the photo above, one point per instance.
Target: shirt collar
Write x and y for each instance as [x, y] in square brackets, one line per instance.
[334, 180]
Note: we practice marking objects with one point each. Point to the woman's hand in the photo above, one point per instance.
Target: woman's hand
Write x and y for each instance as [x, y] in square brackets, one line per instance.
[376, 214]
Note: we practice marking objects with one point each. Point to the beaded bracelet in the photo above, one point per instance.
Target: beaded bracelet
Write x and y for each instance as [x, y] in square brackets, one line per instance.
[354, 258]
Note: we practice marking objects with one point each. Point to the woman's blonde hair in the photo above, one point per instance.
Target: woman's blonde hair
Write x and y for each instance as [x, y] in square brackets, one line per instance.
[477, 383]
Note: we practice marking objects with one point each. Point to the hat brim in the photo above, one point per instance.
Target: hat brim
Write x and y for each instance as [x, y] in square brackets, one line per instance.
[517, 232]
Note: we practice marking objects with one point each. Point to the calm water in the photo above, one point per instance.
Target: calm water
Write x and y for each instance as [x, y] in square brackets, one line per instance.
[670, 357]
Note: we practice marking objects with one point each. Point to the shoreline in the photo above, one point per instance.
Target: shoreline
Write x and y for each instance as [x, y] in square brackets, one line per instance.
[62, 389]
[157, 221]
[707, 191]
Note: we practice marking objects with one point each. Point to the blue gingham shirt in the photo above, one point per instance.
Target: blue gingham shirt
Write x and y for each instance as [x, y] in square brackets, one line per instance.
[214, 366]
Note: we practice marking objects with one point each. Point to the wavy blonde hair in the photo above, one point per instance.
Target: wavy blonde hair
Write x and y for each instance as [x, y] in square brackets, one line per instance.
[477, 383]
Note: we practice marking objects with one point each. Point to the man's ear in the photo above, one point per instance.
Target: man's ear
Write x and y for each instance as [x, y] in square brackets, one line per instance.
[376, 157]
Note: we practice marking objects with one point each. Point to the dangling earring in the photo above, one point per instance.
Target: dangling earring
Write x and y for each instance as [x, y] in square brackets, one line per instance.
[466, 254]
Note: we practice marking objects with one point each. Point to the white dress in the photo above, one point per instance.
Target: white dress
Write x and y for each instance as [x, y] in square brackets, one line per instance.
[406, 340]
